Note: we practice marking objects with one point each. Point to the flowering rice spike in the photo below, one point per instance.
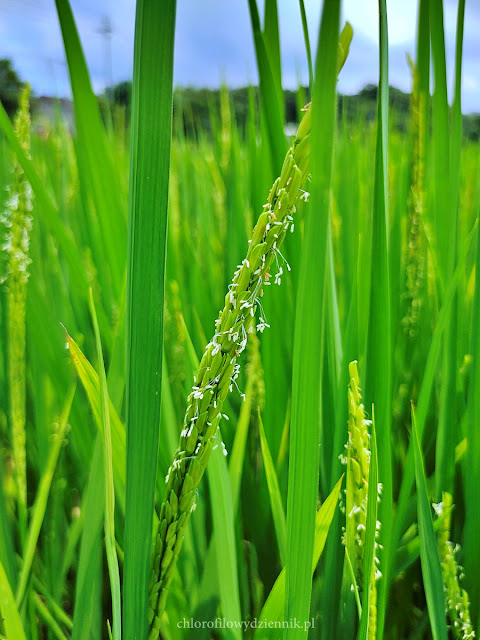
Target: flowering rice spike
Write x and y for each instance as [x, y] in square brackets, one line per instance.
[218, 370]
[17, 219]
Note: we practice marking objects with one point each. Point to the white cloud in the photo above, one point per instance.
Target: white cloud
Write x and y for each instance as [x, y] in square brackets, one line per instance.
[402, 16]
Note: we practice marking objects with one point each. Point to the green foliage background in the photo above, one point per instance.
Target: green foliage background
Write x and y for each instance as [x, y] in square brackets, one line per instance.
[386, 260]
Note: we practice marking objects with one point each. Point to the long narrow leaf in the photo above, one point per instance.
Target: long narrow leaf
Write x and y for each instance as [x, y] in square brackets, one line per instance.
[273, 607]
[223, 523]
[446, 169]
[42, 498]
[274, 492]
[91, 384]
[378, 359]
[87, 585]
[306, 37]
[308, 342]
[96, 162]
[8, 609]
[431, 569]
[109, 516]
[149, 178]
[271, 97]
[472, 477]
[271, 33]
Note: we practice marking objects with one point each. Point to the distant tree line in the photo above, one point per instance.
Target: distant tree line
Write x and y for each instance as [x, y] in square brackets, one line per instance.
[196, 110]
[199, 108]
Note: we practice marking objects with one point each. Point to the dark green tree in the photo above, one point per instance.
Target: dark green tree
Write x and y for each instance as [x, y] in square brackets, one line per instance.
[10, 87]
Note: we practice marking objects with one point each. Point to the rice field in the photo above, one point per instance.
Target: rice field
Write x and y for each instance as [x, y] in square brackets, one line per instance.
[239, 370]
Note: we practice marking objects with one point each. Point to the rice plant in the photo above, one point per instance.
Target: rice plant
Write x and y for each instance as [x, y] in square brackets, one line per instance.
[172, 472]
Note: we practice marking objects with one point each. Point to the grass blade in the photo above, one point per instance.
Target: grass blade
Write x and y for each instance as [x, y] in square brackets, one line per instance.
[472, 477]
[271, 36]
[87, 585]
[44, 613]
[275, 495]
[50, 621]
[306, 37]
[237, 456]
[440, 141]
[378, 358]
[90, 381]
[109, 515]
[95, 162]
[8, 609]
[431, 568]
[273, 607]
[7, 553]
[271, 97]
[223, 524]
[40, 504]
[445, 159]
[149, 178]
[307, 371]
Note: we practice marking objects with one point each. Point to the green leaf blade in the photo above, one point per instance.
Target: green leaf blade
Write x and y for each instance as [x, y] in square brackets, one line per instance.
[149, 178]
[431, 568]
[309, 327]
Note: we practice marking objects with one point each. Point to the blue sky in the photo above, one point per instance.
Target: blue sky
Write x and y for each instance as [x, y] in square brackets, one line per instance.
[214, 43]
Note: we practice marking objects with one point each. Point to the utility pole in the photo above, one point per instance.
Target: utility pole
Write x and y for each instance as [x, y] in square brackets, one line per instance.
[106, 31]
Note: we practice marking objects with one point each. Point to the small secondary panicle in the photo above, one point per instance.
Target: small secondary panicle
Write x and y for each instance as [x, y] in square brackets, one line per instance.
[357, 459]
[416, 250]
[457, 605]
